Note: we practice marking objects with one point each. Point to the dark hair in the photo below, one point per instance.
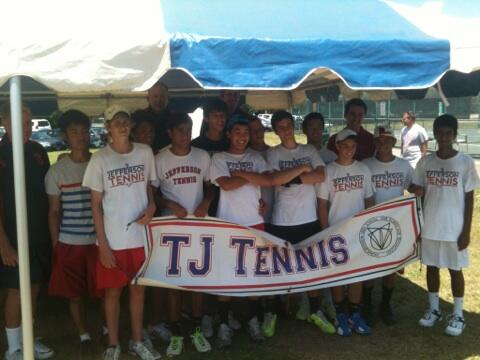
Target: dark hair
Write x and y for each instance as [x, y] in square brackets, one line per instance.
[355, 102]
[73, 117]
[280, 115]
[446, 120]
[178, 118]
[214, 104]
[139, 116]
[410, 114]
[310, 117]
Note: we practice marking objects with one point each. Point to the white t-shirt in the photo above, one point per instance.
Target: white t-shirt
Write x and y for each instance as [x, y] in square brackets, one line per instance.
[346, 187]
[239, 205]
[181, 178]
[295, 204]
[123, 180]
[445, 181]
[389, 179]
[412, 138]
[267, 195]
[64, 179]
[327, 155]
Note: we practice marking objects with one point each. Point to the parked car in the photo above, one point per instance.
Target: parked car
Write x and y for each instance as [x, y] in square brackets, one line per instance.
[48, 142]
[41, 124]
[57, 135]
[2, 131]
[98, 123]
[266, 120]
[98, 137]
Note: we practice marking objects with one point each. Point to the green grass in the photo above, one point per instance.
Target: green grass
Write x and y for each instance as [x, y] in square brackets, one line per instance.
[298, 340]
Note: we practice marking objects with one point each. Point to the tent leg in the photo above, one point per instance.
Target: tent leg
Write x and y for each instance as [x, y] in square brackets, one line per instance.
[21, 215]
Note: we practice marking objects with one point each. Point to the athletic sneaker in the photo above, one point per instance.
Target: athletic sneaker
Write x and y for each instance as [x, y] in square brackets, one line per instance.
[232, 322]
[430, 318]
[321, 322]
[17, 355]
[329, 311]
[224, 336]
[358, 324]
[42, 351]
[207, 326]
[343, 326]
[269, 322]
[112, 353]
[199, 342]
[303, 308]
[387, 315]
[160, 331]
[175, 347]
[254, 330]
[455, 326]
[142, 350]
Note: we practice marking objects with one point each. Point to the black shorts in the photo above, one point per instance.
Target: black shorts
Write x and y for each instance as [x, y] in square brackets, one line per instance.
[295, 233]
[40, 264]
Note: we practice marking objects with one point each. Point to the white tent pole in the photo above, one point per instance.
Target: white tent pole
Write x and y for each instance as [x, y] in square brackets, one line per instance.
[21, 215]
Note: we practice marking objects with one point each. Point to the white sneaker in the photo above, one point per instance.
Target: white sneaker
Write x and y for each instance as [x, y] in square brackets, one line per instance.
[175, 347]
[207, 326]
[455, 326]
[112, 353]
[42, 351]
[17, 355]
[254, 330]
[430, 318]
[199, 341]
[232, 322]
[160, 331]
[224, 336]
[141, 350]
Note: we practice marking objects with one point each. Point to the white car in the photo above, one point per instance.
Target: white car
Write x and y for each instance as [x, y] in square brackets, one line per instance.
[266, 120]
[41, 124]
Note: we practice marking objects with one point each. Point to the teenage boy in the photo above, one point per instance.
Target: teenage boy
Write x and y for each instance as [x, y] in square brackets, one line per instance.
[313, 126]
[346, 191]
[36, 166]
[119, 178]
[295, 212]
[71, 224]
[447, 180]
[354, 113]
[391, 176]
[240, 172]
[182, 193]
[143, 130]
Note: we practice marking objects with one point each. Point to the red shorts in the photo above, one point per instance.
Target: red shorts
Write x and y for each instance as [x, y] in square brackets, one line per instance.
[129, 261]
[73, 271]
[260, 227]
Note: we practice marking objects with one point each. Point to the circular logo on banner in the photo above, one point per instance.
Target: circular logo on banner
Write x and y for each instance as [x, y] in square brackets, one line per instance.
[380, 236]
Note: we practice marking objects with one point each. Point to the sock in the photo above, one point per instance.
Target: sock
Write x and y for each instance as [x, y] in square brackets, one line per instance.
[367, 295]
[326, 295]
[386, 294]
[353, 308]
[458, 306]
[434, 301]
[196, 323]
[223, 308]
[104, 330]
[85, 337]
[313, 302]
[14, 338]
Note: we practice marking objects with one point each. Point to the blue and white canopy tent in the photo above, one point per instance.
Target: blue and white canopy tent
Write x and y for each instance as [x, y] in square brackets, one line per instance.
[117, 49]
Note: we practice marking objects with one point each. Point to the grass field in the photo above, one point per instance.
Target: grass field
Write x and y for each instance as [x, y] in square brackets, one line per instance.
[298, 340]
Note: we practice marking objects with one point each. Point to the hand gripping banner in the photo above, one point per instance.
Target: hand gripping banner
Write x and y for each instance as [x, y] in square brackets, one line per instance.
[219, 257]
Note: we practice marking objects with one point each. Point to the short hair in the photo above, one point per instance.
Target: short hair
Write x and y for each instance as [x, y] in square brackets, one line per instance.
[280, 115]
[446, 120]
[6, 111]
[213, 105]
[178, 118]
[310, 117]
[410, 114]
[73, 117]
[140, 116]
[355, 102]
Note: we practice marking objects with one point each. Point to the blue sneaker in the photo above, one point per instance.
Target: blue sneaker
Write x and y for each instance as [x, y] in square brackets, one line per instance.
[343, 326]
[358, 324]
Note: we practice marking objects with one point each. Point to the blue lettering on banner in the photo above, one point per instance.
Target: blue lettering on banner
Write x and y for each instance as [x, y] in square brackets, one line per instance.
[241, 244]
[283, 261]
[303, 257]
[261, 262]
[193, 268]
[337, 245]
[175, 242]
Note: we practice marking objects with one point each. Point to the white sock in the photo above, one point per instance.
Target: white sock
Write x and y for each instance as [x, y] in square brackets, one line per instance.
[14, 339]
[434, 301]
[458, 306]
[85, 337]
[104, 330]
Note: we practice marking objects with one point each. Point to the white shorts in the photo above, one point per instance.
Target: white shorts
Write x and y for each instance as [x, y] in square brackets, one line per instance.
[443, 254]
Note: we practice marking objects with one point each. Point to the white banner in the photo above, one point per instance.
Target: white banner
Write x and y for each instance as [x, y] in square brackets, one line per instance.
[218, 257]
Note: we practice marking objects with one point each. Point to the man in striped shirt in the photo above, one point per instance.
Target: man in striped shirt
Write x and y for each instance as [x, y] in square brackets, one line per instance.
[71, 225]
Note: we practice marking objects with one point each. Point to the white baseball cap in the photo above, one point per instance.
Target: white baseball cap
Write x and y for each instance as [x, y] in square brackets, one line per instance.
[345, 134]
[114, 110]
